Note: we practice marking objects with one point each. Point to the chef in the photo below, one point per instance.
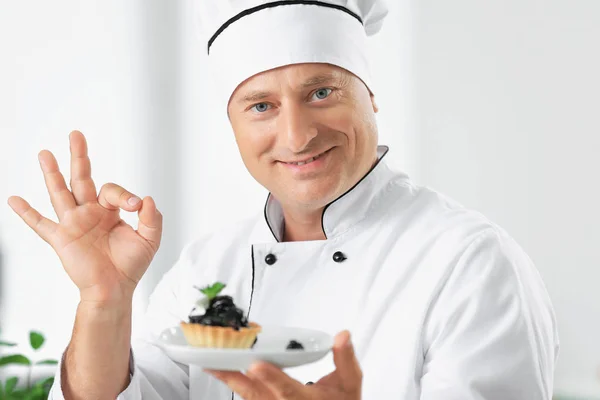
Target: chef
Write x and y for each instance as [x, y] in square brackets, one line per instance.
[426, 299]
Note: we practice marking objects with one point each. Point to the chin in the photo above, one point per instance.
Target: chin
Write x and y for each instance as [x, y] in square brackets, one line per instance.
[314, 194]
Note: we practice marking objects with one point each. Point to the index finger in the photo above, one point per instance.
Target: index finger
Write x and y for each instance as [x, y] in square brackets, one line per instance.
[82, 185]
[44, 227]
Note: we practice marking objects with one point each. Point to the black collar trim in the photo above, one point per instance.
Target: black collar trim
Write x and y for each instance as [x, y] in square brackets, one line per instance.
[386, 150]
[349, 190]
[267, 218]
[277, 4]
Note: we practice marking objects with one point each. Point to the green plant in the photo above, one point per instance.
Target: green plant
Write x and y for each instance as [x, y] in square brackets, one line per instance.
[9, 389]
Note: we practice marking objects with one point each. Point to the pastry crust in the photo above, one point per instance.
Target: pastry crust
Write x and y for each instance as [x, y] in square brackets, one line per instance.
[206, 336]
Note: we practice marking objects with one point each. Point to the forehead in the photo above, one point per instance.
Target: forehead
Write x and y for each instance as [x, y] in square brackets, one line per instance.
[295, 76]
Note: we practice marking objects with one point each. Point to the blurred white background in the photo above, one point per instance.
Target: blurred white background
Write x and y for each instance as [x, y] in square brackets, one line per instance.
[494, 103]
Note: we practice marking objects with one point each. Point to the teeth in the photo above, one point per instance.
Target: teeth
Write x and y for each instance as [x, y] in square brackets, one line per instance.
[307, 161]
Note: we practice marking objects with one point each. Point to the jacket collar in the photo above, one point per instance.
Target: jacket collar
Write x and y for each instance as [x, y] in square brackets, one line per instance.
[341, 214]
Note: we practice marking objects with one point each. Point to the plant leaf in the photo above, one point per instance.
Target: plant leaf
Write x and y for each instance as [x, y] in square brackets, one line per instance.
[47, 362]
[7, 344]
[14, 359]
[40, 392]
[11, 383]
[36, 339]
[20, 394]
[46, 383]
[35, 393]
[17, 395]
[212, 291]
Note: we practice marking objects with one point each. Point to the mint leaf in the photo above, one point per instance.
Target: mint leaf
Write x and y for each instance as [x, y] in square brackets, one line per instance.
[36, 339]
[212, 291]
[7, 344]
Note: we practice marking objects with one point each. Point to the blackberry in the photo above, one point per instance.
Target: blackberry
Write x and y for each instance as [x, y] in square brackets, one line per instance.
[294, 345]
[222, 302]
[222, 312]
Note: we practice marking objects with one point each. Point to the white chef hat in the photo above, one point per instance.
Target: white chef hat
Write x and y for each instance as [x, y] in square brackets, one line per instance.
[246, 37]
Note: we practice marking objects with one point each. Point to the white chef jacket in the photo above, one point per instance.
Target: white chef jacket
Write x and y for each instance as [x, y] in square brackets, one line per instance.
[441, 303]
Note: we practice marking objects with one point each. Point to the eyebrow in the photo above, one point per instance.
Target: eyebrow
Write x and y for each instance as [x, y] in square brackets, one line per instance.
[316, 80]
[254, 96]
[319, 80]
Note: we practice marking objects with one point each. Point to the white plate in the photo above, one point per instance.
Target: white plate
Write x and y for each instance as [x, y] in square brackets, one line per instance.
[270, 347]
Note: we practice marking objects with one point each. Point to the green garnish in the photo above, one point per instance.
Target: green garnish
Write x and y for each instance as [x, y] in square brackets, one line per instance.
[212, 291]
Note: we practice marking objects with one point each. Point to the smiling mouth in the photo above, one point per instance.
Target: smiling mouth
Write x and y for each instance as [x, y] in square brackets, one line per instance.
[307, 161]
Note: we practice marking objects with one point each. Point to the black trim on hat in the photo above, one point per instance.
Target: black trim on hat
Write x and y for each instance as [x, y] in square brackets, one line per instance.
[276, 4]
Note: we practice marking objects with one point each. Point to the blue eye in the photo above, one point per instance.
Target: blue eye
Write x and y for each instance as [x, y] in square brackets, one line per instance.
[261, 107]
[322, 93]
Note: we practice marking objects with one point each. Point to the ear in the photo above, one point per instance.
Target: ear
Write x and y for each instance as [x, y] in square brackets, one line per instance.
[375, 108]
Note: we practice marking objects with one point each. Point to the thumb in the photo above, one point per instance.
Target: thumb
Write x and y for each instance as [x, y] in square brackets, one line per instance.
[150, 222]
[346, 363]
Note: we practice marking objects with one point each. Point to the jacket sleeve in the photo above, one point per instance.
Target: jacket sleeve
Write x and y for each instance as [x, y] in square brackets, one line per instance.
[491, 332]
[154, 376]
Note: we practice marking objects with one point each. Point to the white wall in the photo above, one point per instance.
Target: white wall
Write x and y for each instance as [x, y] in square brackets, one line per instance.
[507, 96]
[109, 69]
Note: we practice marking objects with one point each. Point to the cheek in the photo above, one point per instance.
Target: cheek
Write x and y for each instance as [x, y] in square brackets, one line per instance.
[254, 141]
[363, 122]
[356, 128]
[341, 121]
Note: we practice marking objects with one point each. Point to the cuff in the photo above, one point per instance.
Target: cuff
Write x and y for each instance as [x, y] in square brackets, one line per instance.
[133, 390]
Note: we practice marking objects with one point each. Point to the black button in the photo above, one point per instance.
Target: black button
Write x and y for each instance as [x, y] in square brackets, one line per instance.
[310, 383]
[270, 259]
[338, 256]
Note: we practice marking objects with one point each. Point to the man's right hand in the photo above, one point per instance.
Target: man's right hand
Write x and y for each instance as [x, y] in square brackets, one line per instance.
[103, 256]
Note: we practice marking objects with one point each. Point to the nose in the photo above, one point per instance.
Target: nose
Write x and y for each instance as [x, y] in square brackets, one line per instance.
[296, 128]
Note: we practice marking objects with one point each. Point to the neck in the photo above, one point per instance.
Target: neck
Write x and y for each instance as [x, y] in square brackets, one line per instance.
[303, 225]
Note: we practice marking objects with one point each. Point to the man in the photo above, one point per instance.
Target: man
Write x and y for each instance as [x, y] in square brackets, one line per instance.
[427, 300]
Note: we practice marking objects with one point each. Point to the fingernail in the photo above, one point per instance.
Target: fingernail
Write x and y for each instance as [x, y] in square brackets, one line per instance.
[348, 341]
[133, 201]
[343, 340]
[42, 163]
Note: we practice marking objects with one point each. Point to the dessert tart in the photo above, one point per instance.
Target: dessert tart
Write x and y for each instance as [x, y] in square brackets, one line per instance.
[216, 322]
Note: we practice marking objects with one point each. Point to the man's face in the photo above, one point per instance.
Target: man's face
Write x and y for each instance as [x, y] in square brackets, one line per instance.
[306, 132]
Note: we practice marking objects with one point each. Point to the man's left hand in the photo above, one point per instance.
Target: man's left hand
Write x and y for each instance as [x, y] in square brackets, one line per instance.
[264, 381]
